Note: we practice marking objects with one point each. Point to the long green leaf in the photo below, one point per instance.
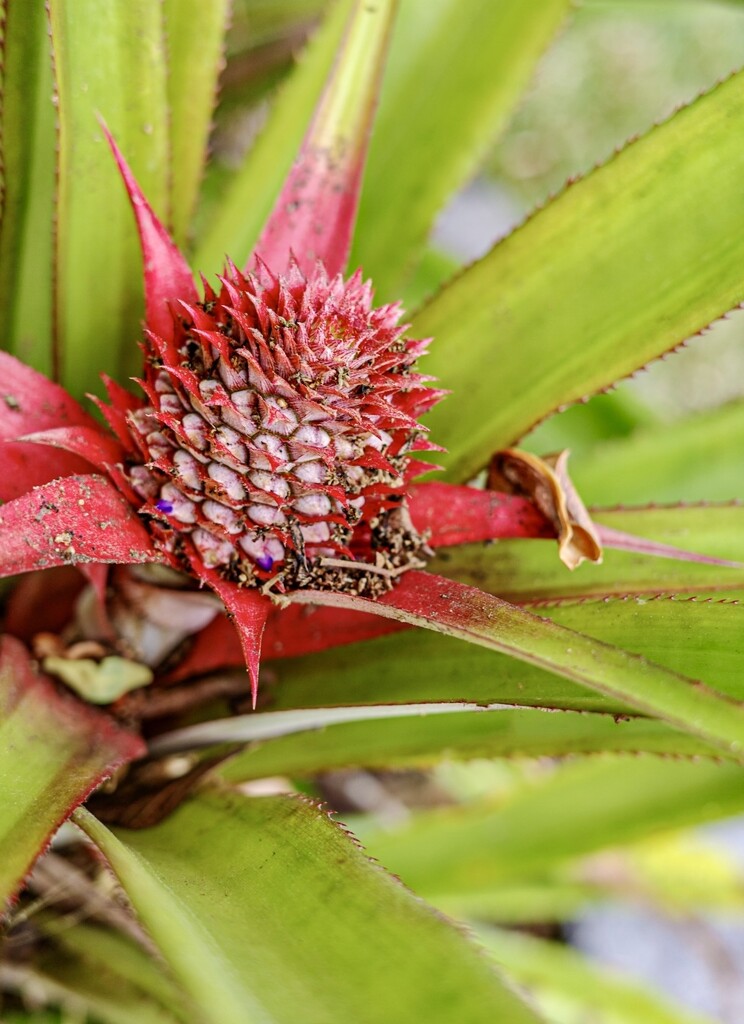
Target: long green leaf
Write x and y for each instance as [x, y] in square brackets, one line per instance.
[250, 198]
[284, 919]
[621, 267]
[28, 162]
[457, 70]
[423, 599]
[53, 751]
[698, 638]
[399, 742]
[530, 571]
[110, 62]
[580, 808]
[195, 34]
[598, 994]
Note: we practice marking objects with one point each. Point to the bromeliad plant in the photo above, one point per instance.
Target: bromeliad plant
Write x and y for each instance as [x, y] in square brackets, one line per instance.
[259, 492]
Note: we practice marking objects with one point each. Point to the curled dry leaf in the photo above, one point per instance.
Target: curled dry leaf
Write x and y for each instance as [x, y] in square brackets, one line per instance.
[546, 481]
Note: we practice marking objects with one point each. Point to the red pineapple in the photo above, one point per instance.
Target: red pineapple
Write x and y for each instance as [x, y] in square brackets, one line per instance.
[276, 442]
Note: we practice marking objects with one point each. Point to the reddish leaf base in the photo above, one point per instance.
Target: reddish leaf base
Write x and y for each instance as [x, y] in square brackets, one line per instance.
[70, 521]
[463, 515]
[452, 514]
[30, 402]
[290, 632]
[314, 215]
[21, 682]
[248, 609]
[71, 747]
[42, 602]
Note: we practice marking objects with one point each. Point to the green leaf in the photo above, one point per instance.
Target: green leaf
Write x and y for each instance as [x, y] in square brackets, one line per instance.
[53, 751]
[595, 993]
[195, 34]
[285, 919]
[423, 599]
[28, 163]
[701, 639]
[100, 51]
[235, 227]
[693, 459]
[579, 808]
[420, 741]
[529, 570]
[617, 270]
[456, 72]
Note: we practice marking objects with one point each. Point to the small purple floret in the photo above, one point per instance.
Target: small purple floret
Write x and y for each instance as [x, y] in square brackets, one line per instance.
[164, 506]
[265, 562]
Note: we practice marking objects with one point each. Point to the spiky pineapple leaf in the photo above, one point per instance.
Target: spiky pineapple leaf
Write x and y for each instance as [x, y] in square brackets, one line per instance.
[700, 639]
[549, 969]
[693, 459]
[53, 751]
[314, 215]
[524, 572]
[421, 739]
[530, 571]
[252, 930]
[195, 39]
[579, 808]
[28, 143]
[616, 270]
[454, 609]
[100, 50]
[456, 73]
[235, 227]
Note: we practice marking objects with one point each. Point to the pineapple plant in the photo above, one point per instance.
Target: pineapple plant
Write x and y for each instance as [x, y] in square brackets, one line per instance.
[258, 498]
